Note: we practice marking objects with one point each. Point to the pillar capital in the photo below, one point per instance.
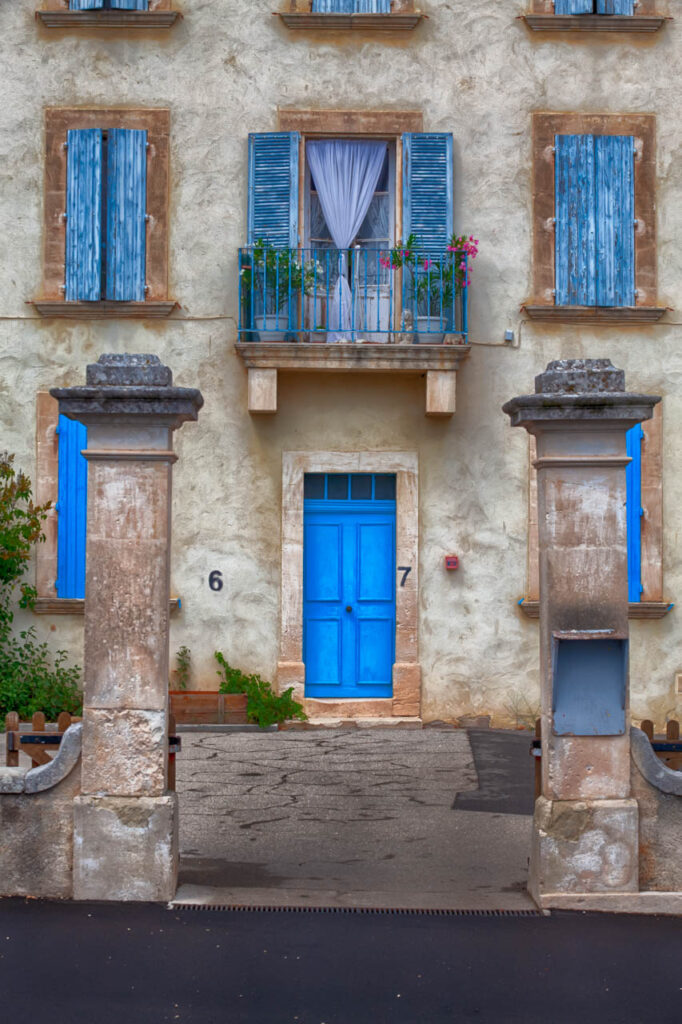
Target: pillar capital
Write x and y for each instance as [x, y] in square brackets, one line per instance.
[132, 388]
[579, 392]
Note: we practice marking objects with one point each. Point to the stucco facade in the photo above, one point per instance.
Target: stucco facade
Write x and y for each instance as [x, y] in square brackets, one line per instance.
[473, 69]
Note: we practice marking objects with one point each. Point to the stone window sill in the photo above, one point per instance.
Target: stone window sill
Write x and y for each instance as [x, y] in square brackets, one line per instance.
[636, 609]
[353, 22]
[103, 310]
[594, 22]
[108, 19]
[76, 605]
[596, 314]
[439, 363]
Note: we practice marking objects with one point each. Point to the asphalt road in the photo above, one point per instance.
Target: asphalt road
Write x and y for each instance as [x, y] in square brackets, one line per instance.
[99, 964]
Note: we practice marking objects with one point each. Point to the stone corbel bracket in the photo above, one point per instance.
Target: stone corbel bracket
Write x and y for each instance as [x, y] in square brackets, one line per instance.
[46, 776]
[652, 769]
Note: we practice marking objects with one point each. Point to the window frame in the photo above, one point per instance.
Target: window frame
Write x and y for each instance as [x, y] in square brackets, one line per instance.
[298, 14]
[58, 121]
[159, 15]
[545, 126]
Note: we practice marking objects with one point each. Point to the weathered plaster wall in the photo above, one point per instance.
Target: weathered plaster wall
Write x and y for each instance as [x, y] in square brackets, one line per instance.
[475, 70]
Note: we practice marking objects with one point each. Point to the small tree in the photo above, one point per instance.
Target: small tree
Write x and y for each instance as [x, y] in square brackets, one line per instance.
[31, 679]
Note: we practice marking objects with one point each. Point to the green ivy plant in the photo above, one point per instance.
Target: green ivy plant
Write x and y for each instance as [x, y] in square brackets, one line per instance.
[31, 678]
[264, 707]
[183, 667]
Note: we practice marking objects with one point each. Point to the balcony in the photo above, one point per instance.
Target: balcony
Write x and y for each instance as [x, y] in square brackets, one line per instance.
[368, 310]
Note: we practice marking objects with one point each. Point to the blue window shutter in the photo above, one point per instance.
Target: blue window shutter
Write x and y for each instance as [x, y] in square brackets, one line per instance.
[427, 188]
[126, 214]
[615, 218]
[72, 502]
[373, 6]
[130, 5]
[333, 6]
[574, 7]
[633, 480]
[575, 229]
[83, 214]
[615, 7]
[85, 5]
[273, 188]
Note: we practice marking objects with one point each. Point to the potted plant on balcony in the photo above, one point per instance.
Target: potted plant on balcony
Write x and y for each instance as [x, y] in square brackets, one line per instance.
[434, 282]
[271, 282]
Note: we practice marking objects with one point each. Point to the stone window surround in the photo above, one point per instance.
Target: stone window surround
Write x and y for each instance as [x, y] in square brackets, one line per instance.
[406, 700]
[545, 126]
[56, 14]
[46, 490]
[404, 16]
[542, 18]
[58, 120]
[653, 605]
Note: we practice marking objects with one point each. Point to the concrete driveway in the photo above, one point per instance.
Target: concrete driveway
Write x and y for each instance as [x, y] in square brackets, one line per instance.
[354, 817]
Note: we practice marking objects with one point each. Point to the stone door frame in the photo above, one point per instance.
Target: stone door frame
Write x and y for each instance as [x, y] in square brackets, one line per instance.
[406, 700]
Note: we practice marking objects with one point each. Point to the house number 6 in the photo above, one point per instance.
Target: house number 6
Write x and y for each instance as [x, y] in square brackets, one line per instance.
[215, 580]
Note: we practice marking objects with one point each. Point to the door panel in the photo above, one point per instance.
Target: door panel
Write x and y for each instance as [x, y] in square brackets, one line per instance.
[349, 598]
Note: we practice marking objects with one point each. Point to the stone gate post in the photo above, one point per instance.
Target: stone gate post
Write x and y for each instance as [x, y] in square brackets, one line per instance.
[125, 820]
[586, 821]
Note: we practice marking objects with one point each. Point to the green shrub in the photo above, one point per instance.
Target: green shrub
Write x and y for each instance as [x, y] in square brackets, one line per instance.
[263, 706]
[31, 678]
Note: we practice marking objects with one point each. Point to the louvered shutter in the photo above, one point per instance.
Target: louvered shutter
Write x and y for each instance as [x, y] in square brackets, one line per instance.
[427, 188]
[130, 5]
[85, 5]
[633, 480]
[273, 188]
[574, 6]
[373, 6]
[615, 7]
[333, 6]
[615, 219]
[126, 214]
[83, 214]
[72, 501]
[575, 230]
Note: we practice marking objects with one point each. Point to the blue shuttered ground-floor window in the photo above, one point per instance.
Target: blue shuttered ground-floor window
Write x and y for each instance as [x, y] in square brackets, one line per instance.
[595, 220]
[635, 512]
[71, 508]
[106, 197]
[626, 7]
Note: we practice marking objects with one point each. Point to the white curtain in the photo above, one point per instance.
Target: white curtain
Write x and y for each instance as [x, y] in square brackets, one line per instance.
[346, 175]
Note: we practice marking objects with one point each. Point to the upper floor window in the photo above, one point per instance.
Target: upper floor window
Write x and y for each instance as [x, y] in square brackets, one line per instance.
[120, 5]
[351, 6]
[595, 16]
[337, 271]
[594, 7]
[106, 213]
[113, 15]
[594, 219]
[356, 15]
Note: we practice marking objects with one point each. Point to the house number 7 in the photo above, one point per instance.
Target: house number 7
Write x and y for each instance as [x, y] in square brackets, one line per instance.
[405, 570]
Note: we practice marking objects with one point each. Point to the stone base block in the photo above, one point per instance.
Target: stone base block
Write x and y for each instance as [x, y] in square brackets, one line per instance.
[291, 673]
[36, 841]
[125, 848]
[124, 752]
[407, 688]
[584, 846]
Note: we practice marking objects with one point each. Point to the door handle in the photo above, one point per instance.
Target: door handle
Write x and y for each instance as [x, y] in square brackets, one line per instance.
[349, 607]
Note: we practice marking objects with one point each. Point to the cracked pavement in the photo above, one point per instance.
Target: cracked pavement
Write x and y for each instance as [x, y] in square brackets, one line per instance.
[343, 817]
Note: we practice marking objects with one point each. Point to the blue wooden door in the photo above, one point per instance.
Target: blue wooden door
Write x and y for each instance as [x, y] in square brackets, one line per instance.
[349, 590]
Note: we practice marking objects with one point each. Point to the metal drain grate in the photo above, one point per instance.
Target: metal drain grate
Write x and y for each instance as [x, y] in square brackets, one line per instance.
[383, 911]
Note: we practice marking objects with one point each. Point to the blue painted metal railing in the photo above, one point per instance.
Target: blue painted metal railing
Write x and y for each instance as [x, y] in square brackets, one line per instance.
[294, 295]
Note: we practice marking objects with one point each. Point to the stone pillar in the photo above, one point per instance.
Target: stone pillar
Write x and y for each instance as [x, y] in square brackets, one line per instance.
[585, 824]
[126, 821]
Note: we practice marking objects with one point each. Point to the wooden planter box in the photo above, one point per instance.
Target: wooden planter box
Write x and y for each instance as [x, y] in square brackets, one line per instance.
[208, 707]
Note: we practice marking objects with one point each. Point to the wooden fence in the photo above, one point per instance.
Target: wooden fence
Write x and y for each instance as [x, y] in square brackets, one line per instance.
[39, 741]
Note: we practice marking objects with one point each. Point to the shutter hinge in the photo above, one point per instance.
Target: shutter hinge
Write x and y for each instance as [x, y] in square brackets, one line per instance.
[636, 292]
[147, 217]
[635, 222]
[65, 145]
[146, 288]
[554, 292]
[553, 222]
[62, 287]
[147, 145]
[64, 216]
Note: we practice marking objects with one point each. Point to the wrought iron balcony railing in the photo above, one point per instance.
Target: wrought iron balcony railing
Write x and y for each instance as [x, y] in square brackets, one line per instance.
[353, 295]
